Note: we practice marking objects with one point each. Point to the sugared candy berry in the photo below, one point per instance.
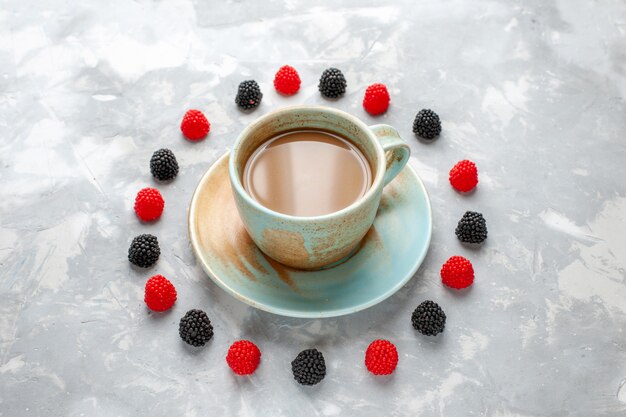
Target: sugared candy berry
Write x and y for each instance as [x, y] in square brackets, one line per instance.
[243, 357]
[287, 81]
[195, 328]
[160, 294]
[427, 124]
[472, 228]
[376, 99]
[144, 250]
[464, 176]
[381, 357]
[309, 367]
[332, 83]
[149, 204]
[249, 95]
[457, 272]
[428, 318]
[195, 125]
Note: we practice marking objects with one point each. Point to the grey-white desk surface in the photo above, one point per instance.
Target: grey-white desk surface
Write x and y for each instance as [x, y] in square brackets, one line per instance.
[532, 91]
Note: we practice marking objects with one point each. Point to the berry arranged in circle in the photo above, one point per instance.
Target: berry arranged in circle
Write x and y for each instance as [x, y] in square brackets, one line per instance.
[428, 318]
[427, 124]
[163, 165]
[249, 95]
[243, 357]
[195, 125]
[309, 367]
[287, 81]
[381, 357]
[195, 328]
[464, 176]
[472, 228]
[376, 99]
[160, 294]
[149, 204]
[457, 273]
[332, 83]
[144, 250]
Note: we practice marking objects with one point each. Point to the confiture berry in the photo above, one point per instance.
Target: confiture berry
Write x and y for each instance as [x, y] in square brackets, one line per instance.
[427, 124]
[163, 165]
[195, 328]
[332, 83]
[309, 367]
[144, 250]
[472, 228]
[428, 318]
[249, 95]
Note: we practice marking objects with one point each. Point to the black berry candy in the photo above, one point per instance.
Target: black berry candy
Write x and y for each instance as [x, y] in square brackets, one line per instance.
[144, 250]
[163, 165]
[428, 318]
[195, 328]
[309, 367]
[472, 228]
[249, 95]
[332, 83]
[427, 124]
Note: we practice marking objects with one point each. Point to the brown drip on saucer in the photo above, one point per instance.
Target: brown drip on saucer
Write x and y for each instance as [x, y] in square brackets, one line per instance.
[373, 237]
[282, 271]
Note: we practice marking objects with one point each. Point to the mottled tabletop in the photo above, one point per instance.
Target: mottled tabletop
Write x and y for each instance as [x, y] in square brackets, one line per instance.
[532, 91]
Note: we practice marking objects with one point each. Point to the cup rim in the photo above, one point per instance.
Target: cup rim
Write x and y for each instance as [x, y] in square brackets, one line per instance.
[376, 184]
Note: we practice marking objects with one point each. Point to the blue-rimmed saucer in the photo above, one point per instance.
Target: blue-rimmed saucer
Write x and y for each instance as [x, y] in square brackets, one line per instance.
[388, 257]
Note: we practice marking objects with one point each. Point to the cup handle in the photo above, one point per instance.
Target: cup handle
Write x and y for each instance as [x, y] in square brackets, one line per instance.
[396, 150]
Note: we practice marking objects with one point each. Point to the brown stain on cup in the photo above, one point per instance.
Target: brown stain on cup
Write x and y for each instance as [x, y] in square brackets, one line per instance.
[370, 242]
[293, 242]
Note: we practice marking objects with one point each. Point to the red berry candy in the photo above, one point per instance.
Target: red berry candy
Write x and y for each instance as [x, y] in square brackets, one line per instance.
[243, 357]
[381, 357]
[287, 81]
[195, 125]
[376, 99]
[149, 204]
[464, 176]
[160, 293]
[457, 273]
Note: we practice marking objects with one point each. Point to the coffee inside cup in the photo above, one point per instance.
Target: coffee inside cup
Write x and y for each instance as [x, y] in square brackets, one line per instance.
[307, 173]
